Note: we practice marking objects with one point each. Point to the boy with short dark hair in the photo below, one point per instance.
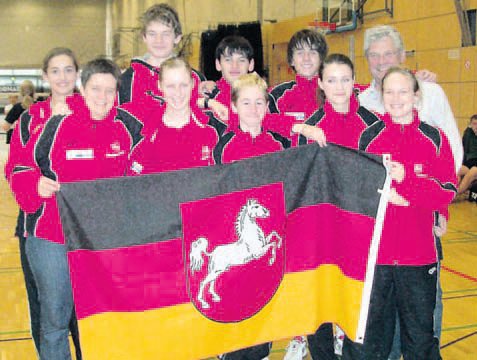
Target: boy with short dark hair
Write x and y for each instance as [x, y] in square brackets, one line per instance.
[233, 58]
[299, 98]
[306, 50]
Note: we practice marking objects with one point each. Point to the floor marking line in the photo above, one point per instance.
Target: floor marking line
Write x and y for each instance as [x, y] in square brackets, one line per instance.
[14, 332]
[17, 339]
[459, 297]
[461, 241]
[463, 327]
[460, 274]
[459, 291]
[458, 339]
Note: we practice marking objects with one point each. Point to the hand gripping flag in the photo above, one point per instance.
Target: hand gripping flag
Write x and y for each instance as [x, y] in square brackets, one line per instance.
[194, 263]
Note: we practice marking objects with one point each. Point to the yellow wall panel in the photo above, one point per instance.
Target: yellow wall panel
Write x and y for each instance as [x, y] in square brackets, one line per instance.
[462, 124]
[438, 32]
[358, 41]
[286, 9]
[361, 70]
[467, 100]
[447, 70]
[376, 20]
[194, 59]
[453, 94]
[405, 10]
[473, 110]
[373, 5]
[468, 64]
[408, 34]
[472, 107]
[427, 8]
[470, 4]
[30, 28]
[267, 31]
[338, 43]
[411, 63]
[283, 31]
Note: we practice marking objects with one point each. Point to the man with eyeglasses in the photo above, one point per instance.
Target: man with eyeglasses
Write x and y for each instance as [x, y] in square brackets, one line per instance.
[384, 48]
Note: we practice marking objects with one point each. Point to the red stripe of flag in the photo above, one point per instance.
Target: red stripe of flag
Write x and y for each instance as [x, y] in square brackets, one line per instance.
[152, 276]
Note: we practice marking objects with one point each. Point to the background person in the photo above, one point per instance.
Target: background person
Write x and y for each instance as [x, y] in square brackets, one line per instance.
[27, 95]
[12, 100]
[468, 171]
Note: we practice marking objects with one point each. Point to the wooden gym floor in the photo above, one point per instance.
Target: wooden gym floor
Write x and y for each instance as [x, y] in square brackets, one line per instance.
[459, 281]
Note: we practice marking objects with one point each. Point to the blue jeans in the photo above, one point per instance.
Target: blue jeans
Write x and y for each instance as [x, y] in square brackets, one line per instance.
[32, 295]
[396, 349]
[50, 269]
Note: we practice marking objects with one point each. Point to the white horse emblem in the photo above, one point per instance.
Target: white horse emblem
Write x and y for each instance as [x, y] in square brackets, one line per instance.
[251, 244]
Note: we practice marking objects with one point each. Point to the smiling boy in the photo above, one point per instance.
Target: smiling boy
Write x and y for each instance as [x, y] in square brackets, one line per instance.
[161, 32]
[306, 50]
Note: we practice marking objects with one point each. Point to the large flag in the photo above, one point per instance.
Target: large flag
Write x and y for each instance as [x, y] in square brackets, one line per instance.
[194, 263]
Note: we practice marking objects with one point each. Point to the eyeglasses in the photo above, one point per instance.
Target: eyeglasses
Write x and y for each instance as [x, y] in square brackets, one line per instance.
[388, 55]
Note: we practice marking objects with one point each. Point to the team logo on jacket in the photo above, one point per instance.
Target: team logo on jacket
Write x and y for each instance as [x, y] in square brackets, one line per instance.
[234, 251]
[115, 150]
[418, 169]
[206, 153]
[116, 146]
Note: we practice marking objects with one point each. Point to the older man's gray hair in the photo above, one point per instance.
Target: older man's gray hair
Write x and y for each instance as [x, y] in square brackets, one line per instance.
[379, 32]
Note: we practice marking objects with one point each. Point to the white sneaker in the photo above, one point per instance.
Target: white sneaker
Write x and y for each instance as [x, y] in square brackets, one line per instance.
[296, 349]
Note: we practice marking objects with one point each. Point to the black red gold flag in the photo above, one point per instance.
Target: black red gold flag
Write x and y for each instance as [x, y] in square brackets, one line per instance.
[194, 263]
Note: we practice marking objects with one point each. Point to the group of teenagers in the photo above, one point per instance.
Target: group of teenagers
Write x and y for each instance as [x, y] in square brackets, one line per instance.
[161, 115]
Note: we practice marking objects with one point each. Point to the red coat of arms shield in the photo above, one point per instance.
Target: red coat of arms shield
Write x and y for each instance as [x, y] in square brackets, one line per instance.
[233, 247]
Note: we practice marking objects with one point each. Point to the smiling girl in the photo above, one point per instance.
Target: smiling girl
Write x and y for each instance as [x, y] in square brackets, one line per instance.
[177, 136]
[250, 138]
[341, 119]
[60, 70]
[422, 169]
[85, 144]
